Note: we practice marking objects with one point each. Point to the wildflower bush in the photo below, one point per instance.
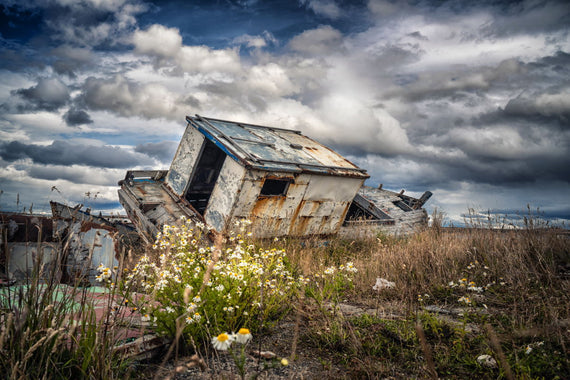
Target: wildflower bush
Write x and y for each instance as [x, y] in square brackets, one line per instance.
[204, 290]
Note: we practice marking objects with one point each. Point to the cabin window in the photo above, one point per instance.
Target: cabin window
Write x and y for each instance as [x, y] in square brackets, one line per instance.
[274, 187]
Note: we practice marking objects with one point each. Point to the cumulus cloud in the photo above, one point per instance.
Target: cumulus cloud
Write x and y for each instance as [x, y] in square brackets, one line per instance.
[270, 79]
[325, 39]
[158, 40]
[165, 44]
[362, 128]
[128, 98]
[49, 94]
[64, 153]
[325, 8]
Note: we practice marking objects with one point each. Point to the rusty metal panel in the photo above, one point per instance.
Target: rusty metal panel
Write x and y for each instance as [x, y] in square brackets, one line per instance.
[326, 188]
[223, 198]
[317, 208]
[294, 213]
[90, 245]
[270, 215]
[183, 163]
[320, 153]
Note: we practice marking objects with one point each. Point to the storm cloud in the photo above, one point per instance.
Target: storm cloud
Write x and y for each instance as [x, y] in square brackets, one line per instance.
[49, 94]
[467, 99]
[65, 153]
[77, 117]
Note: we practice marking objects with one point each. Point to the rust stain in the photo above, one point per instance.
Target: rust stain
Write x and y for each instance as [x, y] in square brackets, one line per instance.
[86, 226]
[268, 206]
[324, 221]
[302, 226]
[296, 213]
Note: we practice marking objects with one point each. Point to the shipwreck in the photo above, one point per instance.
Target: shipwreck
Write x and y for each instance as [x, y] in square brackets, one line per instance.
[69, 245]
[285, 183]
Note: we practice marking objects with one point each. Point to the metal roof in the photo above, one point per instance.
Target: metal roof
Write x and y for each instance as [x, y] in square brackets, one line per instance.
[274, 149]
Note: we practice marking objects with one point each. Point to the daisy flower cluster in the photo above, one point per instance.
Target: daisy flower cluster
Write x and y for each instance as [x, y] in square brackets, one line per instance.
[330, 282]
[224, 341]
[475, 275]
[104, 275]
[223, 287]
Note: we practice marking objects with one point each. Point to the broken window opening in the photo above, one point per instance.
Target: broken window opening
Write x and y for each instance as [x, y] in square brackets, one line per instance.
[205, 176]
[274, 187]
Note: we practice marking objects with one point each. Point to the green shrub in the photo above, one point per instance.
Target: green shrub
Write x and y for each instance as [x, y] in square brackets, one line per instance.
[205, 290]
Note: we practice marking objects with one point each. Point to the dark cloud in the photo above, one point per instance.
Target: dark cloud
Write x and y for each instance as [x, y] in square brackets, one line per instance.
[528, 17]
[66, 153]
[89, 23]
[418, 35]
[163, 150]
[77, 175]
[76, 116]
[49, 94]
[17, 58]
[551, 104]
[69, 60]
[125, 97]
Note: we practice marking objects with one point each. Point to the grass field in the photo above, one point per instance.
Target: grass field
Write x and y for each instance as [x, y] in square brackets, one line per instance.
[459, 303]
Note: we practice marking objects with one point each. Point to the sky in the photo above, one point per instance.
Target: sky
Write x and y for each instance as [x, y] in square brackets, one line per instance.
[467, 99]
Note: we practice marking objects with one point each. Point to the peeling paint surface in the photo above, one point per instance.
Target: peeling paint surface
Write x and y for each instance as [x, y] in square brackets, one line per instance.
[150, 204]
[186, 156]
[224, 196]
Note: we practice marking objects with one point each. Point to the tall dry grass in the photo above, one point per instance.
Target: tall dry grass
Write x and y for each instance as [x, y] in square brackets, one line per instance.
[531, 262]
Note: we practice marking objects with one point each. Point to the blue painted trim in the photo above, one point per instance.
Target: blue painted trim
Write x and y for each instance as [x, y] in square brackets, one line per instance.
[225, 149]
[146, 180]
